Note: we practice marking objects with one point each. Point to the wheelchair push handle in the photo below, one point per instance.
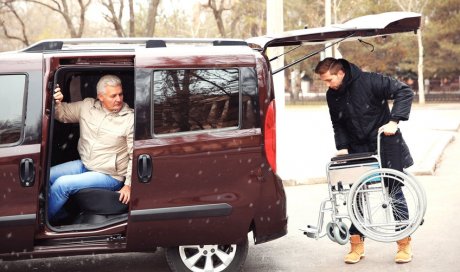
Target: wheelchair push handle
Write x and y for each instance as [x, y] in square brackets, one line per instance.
[379, 141]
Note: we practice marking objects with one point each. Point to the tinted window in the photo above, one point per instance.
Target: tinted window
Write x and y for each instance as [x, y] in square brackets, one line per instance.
[193, 100]
[11, 107]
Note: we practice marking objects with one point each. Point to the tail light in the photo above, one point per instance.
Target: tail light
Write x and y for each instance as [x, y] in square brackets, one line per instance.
[270, 135]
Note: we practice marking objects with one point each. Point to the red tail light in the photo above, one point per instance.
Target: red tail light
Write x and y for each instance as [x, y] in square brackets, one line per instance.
[270, 135]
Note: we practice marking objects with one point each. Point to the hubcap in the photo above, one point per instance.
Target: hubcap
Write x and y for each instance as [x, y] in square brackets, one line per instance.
[207, 257]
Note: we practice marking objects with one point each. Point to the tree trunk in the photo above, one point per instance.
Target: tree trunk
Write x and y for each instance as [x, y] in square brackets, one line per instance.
[151, 18]
[132, 30]
[68, 19]
[421, 84]
[113, 18]
[220, 23]
[217, 12]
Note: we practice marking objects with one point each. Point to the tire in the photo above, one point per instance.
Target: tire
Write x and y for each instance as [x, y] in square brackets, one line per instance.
[198, 258]
[372, 208]
[330, 231]
[341, 234]
[422, 191]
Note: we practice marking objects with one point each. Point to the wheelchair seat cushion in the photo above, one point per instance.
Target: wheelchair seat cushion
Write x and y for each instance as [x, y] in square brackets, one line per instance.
[353, 156]
[99, 201]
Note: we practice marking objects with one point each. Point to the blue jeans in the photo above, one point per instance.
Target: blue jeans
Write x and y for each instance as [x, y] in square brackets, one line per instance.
[68, 178]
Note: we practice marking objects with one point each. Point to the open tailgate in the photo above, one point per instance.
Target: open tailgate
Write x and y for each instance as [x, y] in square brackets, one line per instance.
[358, 28]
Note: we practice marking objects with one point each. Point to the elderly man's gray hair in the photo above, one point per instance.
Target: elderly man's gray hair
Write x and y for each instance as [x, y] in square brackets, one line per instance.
[107, 80]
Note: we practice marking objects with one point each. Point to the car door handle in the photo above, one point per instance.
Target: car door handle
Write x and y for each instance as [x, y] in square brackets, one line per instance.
[144, 168]
[27, 172]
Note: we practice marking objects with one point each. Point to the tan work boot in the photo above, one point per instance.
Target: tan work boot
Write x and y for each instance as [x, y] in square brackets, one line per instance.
[404, 254]
[357, 250]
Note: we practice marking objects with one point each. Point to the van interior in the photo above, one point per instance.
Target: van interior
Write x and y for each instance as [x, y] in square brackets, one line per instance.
[89, 208]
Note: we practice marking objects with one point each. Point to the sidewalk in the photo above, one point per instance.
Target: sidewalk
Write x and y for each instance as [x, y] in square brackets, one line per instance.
[306, 140]
[431, 128]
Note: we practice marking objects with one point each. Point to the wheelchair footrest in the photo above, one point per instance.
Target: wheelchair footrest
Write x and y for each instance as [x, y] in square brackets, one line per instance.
[311, 232]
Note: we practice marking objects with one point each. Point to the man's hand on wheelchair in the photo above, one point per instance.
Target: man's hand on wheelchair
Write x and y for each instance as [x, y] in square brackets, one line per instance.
[389, 129]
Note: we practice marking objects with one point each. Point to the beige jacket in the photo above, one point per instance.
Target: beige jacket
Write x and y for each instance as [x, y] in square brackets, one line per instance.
[106, 138]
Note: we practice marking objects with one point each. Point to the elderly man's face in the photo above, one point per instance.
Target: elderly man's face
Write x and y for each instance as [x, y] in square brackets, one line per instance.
[112, 98]
[333, 81]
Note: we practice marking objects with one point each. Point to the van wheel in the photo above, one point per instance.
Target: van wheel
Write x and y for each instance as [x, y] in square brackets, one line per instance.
[207, 257]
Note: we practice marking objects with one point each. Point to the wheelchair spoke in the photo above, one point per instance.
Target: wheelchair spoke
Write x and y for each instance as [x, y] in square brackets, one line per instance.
[388, 210]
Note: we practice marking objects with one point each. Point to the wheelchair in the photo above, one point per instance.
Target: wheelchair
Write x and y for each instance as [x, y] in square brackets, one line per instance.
[385, 205]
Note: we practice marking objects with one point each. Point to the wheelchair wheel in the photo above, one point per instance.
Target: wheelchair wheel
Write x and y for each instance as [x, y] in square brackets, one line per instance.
[338, 232]
[386, 205]
[330, 231]
[341, 234]
[423, 191]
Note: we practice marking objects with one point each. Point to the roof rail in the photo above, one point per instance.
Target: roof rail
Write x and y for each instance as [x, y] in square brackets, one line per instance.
[70, 44]
[155, 43]
[44, 46]
[229, 43]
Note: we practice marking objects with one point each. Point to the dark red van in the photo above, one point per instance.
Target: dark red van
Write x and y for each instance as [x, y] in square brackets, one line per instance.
[204, 163]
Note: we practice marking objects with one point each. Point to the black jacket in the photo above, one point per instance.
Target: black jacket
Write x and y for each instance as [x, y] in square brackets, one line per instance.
[360, 107]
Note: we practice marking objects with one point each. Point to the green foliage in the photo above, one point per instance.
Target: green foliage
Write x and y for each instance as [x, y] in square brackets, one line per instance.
[442, 39]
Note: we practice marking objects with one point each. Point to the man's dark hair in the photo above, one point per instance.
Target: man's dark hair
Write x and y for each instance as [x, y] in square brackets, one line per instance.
[328, 64]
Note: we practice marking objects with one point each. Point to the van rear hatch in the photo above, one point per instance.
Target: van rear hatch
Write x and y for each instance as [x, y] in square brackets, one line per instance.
[358, 28]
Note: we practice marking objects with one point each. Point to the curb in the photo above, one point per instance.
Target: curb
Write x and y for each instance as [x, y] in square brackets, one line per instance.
[430, 161]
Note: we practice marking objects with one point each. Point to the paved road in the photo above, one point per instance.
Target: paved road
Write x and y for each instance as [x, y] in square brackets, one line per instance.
[436, 243]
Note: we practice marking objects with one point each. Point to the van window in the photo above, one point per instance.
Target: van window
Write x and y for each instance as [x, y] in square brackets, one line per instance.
[12, 88]
[195, 99]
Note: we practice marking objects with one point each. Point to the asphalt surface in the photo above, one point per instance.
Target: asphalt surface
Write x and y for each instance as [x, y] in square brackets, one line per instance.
[434, 138]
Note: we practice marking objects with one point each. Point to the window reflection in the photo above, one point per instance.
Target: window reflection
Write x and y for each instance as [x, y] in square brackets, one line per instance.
[191, 100]
[11, 107]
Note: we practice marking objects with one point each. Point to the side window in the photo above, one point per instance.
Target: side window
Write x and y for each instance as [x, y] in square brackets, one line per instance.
[195, 99]
[12, 88]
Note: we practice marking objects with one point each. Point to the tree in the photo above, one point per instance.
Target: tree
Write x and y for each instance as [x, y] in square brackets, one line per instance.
[76, 25]
[151, 17]
[442, 39]
[247, 19]
[217, 9]
[7, 9]
[115, 17]
[22, 24]
[417, 6]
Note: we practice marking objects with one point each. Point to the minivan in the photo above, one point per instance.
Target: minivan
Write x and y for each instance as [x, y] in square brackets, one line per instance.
[204, 159]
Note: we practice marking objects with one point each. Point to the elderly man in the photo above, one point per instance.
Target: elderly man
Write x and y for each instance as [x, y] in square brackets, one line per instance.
[105, 145]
